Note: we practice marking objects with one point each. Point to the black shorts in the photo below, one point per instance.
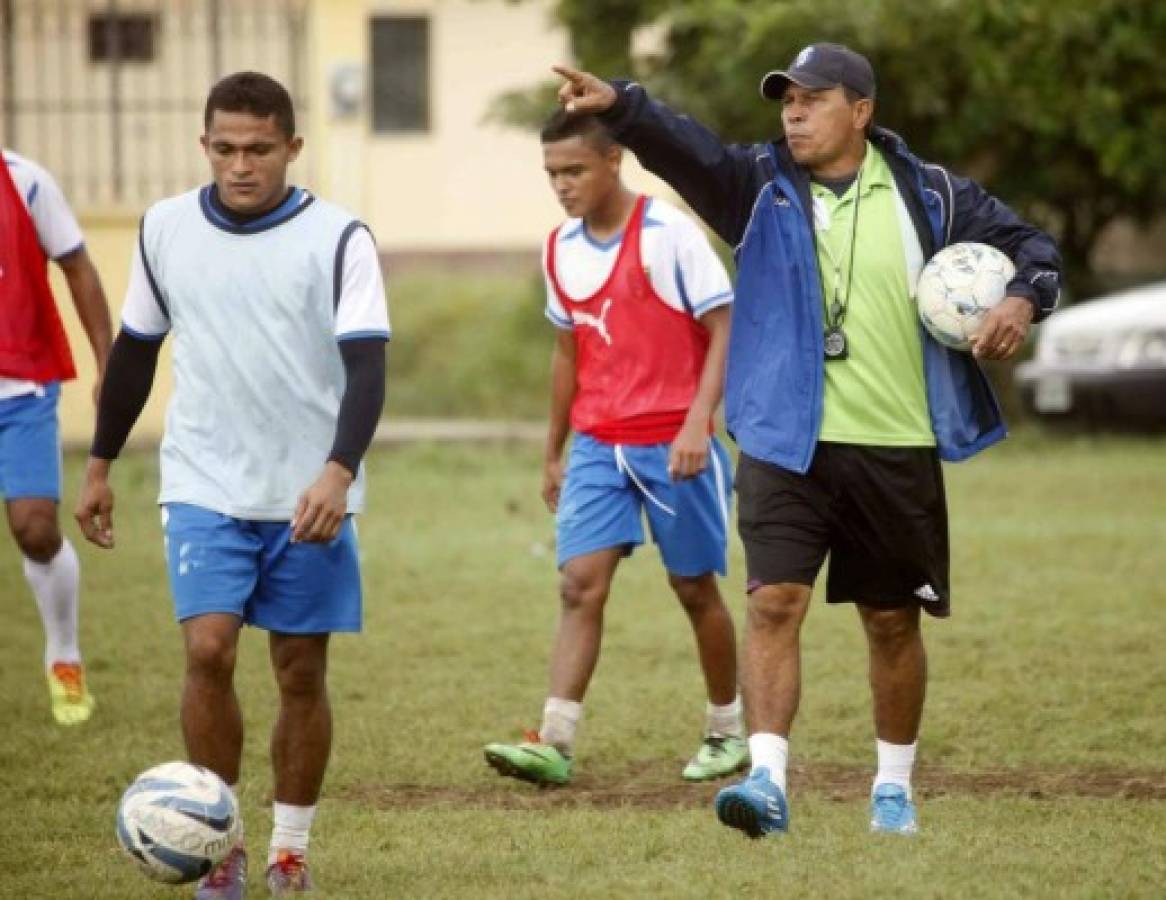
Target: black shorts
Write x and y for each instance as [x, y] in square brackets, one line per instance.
[879, 512]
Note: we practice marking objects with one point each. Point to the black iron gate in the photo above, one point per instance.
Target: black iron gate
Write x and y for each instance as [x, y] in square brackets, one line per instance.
[108, 94]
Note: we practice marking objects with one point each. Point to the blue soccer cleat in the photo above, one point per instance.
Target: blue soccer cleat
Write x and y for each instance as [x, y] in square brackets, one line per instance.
[755, 806]
[891, 812]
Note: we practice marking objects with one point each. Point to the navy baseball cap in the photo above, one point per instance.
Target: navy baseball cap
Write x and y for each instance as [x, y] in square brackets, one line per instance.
[822, 66]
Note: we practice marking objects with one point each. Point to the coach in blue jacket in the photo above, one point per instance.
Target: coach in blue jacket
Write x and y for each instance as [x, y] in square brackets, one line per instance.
[841, 404]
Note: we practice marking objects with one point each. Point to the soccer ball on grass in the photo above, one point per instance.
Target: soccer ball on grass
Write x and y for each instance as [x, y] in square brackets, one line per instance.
[177, 821]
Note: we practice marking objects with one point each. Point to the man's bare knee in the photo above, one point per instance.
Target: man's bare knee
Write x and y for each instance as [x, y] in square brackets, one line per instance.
[301, 677]
[211, 654]
[891, 629]
[582, 592]
[696, 593]
[37, 534]
[776, 607]
[300, 663]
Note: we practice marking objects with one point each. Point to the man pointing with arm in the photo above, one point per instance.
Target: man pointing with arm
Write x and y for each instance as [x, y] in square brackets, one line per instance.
[841, 404]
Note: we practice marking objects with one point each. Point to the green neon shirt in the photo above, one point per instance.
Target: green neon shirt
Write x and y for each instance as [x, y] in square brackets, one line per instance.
[876, 395]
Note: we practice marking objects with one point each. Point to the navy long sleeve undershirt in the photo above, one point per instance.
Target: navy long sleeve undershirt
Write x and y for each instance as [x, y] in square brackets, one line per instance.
[362, 402]
[129, 375]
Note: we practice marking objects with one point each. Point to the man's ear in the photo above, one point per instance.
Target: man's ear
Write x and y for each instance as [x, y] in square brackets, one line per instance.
[863, 112]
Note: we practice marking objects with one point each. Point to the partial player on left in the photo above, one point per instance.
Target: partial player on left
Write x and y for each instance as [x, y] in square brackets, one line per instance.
[36, 225]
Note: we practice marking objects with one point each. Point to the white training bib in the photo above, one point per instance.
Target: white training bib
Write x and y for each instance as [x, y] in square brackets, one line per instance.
[258, 376]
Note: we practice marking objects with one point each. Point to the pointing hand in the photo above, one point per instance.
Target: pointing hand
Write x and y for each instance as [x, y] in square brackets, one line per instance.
[583, 93]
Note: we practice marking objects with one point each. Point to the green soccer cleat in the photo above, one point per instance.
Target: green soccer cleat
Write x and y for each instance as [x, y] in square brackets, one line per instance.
[530, 760]
[717, 757]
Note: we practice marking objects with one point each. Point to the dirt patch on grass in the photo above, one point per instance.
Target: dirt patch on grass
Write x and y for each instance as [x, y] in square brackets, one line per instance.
[644, 789]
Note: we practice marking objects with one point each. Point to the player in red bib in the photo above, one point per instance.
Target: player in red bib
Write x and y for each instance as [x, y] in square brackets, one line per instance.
[36, 225]
[642, 306]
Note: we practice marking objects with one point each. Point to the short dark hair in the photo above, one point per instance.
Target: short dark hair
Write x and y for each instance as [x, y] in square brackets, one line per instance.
[562, 125]
[255, 93]
[852, 97]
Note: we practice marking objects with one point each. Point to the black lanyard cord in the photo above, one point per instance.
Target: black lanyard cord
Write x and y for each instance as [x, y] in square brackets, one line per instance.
[836, 311]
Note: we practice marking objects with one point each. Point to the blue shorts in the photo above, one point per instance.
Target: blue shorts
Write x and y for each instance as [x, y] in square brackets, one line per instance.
[30, 446]
[607, 486]
[252, 570]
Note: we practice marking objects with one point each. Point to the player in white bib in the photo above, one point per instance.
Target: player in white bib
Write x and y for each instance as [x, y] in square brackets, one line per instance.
[277, 309]
[37, 225]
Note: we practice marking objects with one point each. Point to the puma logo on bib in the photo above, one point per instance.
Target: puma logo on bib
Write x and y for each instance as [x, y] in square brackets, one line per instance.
[599, 323]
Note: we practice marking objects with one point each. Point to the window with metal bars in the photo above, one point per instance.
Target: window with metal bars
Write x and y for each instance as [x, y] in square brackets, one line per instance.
[400, 74]
[126, 37]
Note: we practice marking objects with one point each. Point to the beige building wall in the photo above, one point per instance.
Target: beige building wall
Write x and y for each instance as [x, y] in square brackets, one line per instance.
[465, 185]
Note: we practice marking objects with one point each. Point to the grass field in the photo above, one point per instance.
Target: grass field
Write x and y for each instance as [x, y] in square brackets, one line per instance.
[479, 347]
[1044, 745]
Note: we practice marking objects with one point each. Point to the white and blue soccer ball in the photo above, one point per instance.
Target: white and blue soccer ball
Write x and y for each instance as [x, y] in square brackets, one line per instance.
[177, 821]
[956, 289]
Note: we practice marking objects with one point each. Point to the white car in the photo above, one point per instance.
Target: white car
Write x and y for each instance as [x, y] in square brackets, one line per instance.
[1102, 362]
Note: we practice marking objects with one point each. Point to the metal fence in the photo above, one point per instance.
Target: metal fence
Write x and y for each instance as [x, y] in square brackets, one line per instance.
[108, 94]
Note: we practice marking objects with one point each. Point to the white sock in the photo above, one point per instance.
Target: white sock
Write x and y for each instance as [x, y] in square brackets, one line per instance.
[725, 720]
[55, 585]
[291, 829]
[560, 720]
[770, 751]
[895, 764]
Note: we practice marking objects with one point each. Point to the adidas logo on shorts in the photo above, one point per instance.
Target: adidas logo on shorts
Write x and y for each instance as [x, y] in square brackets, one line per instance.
[927, 594]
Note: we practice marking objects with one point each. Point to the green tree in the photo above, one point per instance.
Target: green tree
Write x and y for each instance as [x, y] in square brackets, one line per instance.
[1057, 106]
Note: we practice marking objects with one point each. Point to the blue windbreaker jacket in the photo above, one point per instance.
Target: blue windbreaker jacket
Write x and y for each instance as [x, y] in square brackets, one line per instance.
[757, 199]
